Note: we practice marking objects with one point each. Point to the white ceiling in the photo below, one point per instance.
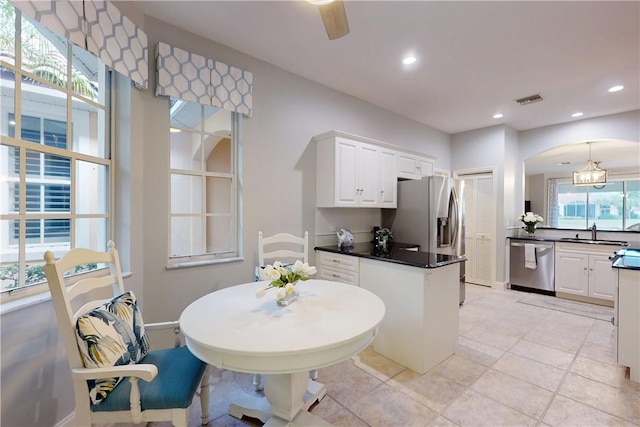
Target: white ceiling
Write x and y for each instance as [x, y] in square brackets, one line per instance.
[474, 58]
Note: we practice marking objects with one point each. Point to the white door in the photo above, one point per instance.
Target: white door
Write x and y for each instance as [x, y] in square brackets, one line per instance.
[602, 278]
[368, 172]
[572, 274]
[425, 166]
[406, 164]
[480, 208]
[346, 179]
[388, 179]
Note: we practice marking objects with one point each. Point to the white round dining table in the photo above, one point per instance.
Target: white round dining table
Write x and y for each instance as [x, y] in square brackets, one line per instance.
[232, 329]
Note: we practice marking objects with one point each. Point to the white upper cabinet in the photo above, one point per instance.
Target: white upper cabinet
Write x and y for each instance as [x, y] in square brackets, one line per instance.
[351, 173]
[388, 178]
[411, 166]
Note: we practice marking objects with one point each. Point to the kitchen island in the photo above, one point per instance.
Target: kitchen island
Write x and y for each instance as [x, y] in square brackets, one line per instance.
[627, 310]
[420, 291]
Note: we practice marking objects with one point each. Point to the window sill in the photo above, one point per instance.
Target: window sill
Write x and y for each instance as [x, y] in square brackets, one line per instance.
[188, 264]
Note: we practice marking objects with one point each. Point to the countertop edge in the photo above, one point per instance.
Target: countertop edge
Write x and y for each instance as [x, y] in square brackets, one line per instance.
[391, 260]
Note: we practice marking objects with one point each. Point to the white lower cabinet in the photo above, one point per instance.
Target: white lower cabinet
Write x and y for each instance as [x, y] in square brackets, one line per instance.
[338, 268]
[585, 270]
[420, 325]
[627, 311]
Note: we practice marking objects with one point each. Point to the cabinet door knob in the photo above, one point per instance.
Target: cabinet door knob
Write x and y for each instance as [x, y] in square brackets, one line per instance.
[336, 275]
[335, 260]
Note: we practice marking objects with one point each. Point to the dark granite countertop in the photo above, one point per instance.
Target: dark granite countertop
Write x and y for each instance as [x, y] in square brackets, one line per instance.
[398, 254]
[573, 240]
[627, 258]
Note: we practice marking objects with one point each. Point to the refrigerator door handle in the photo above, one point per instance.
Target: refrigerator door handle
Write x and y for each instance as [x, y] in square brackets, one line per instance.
[455, 217]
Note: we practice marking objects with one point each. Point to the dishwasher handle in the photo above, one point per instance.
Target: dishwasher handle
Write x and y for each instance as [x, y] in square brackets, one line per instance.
[537, 246]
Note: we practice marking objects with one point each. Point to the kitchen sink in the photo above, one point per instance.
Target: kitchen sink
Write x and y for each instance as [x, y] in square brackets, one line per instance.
[595, 242]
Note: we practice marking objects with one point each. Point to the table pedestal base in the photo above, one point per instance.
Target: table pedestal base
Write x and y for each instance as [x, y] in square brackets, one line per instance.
[286, 403]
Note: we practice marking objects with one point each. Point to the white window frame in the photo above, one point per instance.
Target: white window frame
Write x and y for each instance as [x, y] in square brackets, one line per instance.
[615, 178]
[236, 210]
[23, 291]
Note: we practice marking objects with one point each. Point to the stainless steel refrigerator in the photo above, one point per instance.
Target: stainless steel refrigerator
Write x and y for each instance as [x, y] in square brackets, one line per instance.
[430, 213]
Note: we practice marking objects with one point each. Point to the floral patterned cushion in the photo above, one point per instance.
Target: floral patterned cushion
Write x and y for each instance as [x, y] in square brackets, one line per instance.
[111, 335]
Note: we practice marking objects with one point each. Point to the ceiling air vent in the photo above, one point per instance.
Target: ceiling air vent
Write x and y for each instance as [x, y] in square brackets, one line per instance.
[529, 99]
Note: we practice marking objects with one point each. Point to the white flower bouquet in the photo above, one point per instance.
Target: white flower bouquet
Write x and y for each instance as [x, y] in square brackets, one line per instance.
[530, 220]
[284, 277]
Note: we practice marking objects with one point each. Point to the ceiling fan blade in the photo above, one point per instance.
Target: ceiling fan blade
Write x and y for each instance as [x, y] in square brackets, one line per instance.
[334, 18]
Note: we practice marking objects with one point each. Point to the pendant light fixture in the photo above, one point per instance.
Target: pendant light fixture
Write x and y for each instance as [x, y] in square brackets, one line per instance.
[591, 174]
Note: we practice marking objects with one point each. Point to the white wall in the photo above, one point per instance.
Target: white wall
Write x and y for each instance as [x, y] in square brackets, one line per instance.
[624, 126]
[278, 157]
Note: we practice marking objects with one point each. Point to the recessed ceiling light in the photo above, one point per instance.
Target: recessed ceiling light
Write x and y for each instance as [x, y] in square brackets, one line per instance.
[498, 115]
[616, 88]
[563, 163]
[578, 114]
[409, 60]
[319, 2]
[174, 130]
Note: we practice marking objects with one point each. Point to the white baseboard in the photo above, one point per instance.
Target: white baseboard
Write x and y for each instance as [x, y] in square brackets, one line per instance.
[499, 285]
[67, 421]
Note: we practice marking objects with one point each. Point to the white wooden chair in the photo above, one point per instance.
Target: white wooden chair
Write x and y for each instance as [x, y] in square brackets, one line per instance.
[281, 247]
[170, 377]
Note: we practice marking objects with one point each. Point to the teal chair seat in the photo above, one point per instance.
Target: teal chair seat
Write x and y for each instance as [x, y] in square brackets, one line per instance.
[179, 374]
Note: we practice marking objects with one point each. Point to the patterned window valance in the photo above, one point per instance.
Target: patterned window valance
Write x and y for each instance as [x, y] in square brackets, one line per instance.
[99, 27]
[192, 77]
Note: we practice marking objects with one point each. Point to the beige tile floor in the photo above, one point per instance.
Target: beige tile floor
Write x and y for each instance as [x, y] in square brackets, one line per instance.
[515, 364]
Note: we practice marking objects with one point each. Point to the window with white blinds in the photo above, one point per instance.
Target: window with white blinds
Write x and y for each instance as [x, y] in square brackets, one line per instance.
[55, 151]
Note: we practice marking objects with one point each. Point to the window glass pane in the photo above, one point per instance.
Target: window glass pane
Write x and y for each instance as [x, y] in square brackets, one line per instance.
[7, 102]
[186, 194]
[218, 154]
[605, 206]
[185, 115]
[632, 213]
[44, 53]
[87, 74]
[7, 33]
[92, 233]
[57, 166]
[89, 132]
[33, 227]
[185, 150]
[9, 274]
[41, 102]
[57, 230]
[9, 188]
[572, 204]
[92, 182]
[219, 195]
[33, 163]
[33, 198]
[220, 236]
[30, 129]
[186, 236]
[55, 133]
[57, 198]
[217, 121]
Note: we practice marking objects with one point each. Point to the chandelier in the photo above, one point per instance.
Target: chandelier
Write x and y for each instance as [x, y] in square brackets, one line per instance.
[591, 174]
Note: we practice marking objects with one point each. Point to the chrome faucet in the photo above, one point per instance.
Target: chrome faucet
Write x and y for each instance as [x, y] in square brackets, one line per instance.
[593, 231]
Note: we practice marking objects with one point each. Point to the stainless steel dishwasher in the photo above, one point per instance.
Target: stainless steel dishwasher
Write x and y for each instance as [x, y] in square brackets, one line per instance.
[539, 276]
